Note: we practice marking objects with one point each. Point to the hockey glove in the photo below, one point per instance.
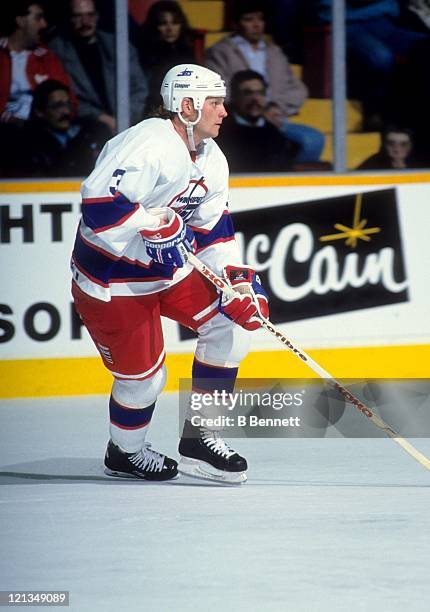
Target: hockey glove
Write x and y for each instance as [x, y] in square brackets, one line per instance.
[170, 242]
[251, 300]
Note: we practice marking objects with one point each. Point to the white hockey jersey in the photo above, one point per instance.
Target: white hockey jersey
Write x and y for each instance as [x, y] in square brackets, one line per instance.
[148, 166]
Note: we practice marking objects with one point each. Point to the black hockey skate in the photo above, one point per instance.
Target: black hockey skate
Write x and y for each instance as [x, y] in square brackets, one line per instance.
[204, 454]
[146, 464]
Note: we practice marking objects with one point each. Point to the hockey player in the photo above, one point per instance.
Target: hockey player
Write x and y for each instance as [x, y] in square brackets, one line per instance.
[159, 190]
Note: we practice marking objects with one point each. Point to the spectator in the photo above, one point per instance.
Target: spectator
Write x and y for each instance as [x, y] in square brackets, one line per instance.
[89, 56]
[248, 140]
[24, 61]
[52, 143]
[166, 41]
[396, 152]
[376, 42]
[248, 49]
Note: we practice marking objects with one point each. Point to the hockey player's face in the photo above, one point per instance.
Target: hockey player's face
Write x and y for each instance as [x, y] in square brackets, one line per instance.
[213, 114]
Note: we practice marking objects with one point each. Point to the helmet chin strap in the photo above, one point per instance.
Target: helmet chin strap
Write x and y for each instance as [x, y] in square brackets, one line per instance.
[189, 125]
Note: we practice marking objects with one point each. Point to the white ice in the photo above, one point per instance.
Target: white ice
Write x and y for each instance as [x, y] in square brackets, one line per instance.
[324, 525]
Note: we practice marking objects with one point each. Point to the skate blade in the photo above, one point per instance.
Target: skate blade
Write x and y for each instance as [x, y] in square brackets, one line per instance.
[115, 474]
[201, 469]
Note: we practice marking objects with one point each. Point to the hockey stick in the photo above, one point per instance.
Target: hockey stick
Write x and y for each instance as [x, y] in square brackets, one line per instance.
[223, 286]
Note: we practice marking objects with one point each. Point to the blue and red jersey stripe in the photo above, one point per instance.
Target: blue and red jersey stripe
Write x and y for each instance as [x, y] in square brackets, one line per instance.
[101, 214]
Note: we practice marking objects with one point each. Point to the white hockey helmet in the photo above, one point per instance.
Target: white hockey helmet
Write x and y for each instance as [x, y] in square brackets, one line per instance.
[190, 81]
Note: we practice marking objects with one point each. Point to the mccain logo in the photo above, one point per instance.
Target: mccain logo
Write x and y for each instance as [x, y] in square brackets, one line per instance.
[327, 256]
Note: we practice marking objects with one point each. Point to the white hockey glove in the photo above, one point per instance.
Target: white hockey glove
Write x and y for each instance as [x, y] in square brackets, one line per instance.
[251, 299]
[170, 242]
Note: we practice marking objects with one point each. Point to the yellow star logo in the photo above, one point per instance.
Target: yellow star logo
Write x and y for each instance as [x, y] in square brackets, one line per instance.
[354, 233]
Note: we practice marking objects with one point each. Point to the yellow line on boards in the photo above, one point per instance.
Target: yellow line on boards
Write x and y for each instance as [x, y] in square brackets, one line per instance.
[328, 180]
[39, 187]
[238, 181]
[81, 376]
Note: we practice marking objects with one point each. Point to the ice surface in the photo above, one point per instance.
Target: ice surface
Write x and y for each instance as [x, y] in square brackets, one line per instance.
[322, 524]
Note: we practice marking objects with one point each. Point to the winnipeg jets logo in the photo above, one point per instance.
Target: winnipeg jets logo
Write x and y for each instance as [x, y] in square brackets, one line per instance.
[185, 72]
[189, 200]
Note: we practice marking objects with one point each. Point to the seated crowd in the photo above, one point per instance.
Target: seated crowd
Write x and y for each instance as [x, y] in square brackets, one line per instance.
[58, 94]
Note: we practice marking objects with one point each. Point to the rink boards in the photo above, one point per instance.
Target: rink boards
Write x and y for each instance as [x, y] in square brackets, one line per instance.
[345, 259]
